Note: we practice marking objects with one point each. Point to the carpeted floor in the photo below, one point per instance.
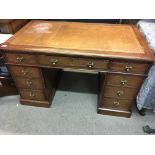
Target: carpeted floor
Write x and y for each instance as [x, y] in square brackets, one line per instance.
[73, 112]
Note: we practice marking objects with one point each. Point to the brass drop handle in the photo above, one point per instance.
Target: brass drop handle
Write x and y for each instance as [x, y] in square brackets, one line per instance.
[124, 82]
[90, 64]
[54, 61]
[31, 94]
[24, 72]
[120, 93]
[29, 83]
[19, 59]
[128, 68]
[116, 103]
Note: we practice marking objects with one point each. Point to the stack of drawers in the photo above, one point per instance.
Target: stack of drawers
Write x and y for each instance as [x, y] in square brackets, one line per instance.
[120, 86]
[34, 86]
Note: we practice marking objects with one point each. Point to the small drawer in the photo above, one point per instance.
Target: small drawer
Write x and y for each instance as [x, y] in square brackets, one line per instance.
[124, 80]
[120, 92]
[73, 62]
[30, 72]
[20, 58]
[129, 67]
[33, 95]
[114, 103]
[29, 83]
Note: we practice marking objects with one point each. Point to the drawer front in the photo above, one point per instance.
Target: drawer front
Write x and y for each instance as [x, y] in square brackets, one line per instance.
[119, 104]
[33, 95]
[124, 80]
[20, 58]
[29, 83]
[85, 63]
[30, 72]
[120, 92]
[139, 68]
[55, 61]
[81, 63]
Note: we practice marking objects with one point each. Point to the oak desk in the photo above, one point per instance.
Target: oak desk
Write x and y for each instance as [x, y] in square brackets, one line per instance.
[118, 53]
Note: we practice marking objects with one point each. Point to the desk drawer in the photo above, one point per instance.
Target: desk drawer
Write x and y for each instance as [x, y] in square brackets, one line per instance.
[119, 104]
[20, 58]
[120, 92]
[55, 61]
[30, 72]
[28, 83]
[139, 68]
[72, 62]
[124, 80]
[86, 63]
[33, 95]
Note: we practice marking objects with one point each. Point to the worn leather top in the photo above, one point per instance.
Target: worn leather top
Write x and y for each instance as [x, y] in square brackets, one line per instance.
[99, 39]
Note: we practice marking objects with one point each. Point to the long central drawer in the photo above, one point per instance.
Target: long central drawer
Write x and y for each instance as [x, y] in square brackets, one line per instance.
[73, 62]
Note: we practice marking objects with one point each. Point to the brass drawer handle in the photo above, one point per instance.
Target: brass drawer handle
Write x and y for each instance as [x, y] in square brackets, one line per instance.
[19, 59]
[31, 94]
[120, 93]
[24, 71]
[54, 61]
[124, 82]
[116, 103]
[90, 64]
[29, 83]
[128, 68]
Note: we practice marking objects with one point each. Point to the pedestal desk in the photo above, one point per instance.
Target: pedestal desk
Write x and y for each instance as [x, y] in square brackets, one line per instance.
[38, 53]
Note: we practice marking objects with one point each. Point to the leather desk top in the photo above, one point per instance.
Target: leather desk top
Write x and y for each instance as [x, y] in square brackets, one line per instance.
[86, 39]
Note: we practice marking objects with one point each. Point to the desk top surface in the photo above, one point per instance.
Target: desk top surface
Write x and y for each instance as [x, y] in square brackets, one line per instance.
[103, 40]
